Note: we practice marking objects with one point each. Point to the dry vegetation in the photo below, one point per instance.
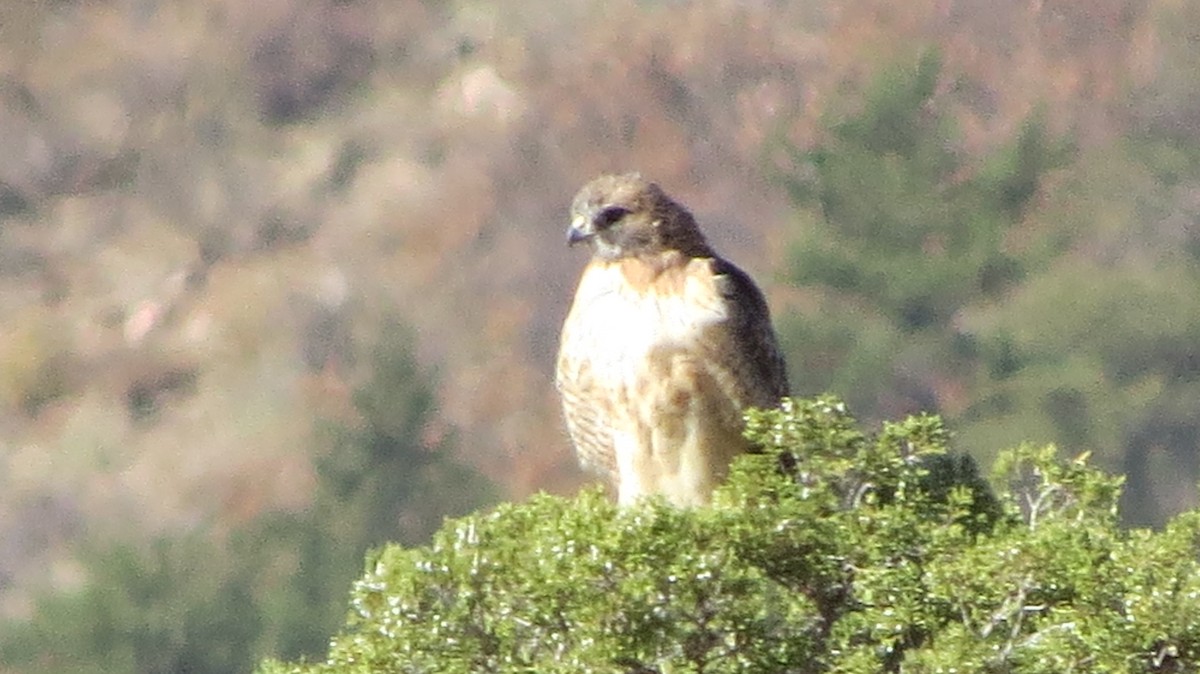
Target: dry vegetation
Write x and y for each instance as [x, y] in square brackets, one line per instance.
[207, 206]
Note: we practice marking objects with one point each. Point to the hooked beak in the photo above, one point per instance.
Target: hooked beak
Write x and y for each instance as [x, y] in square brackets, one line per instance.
[580, 230]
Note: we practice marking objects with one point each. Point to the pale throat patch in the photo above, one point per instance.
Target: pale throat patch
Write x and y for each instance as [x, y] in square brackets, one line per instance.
[624, 324]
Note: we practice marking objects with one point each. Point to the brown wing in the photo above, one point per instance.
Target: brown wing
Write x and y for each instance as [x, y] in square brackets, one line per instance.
[754, 371]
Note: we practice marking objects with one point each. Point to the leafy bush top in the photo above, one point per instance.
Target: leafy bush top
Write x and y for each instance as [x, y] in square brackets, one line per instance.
[867, 553]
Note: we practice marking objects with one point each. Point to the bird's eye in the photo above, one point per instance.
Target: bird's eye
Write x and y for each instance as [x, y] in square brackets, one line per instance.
[610, 215]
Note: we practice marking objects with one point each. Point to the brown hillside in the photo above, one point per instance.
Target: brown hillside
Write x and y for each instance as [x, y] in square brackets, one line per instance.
[206, 205]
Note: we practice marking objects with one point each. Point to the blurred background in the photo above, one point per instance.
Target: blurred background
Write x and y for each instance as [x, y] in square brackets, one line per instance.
[282, 280]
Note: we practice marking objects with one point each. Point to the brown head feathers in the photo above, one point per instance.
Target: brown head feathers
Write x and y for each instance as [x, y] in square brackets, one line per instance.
[625, 215]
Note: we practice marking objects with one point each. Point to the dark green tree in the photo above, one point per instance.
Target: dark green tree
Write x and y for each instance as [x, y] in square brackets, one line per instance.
[207, 603]
[903, 235]
[378, 481]
[1037, 290]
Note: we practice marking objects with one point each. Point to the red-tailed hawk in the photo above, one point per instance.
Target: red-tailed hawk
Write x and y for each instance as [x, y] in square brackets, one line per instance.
[664, 347]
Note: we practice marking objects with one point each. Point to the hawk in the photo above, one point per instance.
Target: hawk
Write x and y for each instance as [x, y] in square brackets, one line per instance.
[665, 345]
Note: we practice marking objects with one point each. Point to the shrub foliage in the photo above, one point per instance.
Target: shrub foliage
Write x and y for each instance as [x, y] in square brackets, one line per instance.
[868, 553]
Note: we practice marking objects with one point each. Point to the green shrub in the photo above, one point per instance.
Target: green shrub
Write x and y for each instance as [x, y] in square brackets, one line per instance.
[873, 553]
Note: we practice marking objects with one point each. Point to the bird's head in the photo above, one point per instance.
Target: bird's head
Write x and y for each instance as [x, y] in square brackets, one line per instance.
[628, 216]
